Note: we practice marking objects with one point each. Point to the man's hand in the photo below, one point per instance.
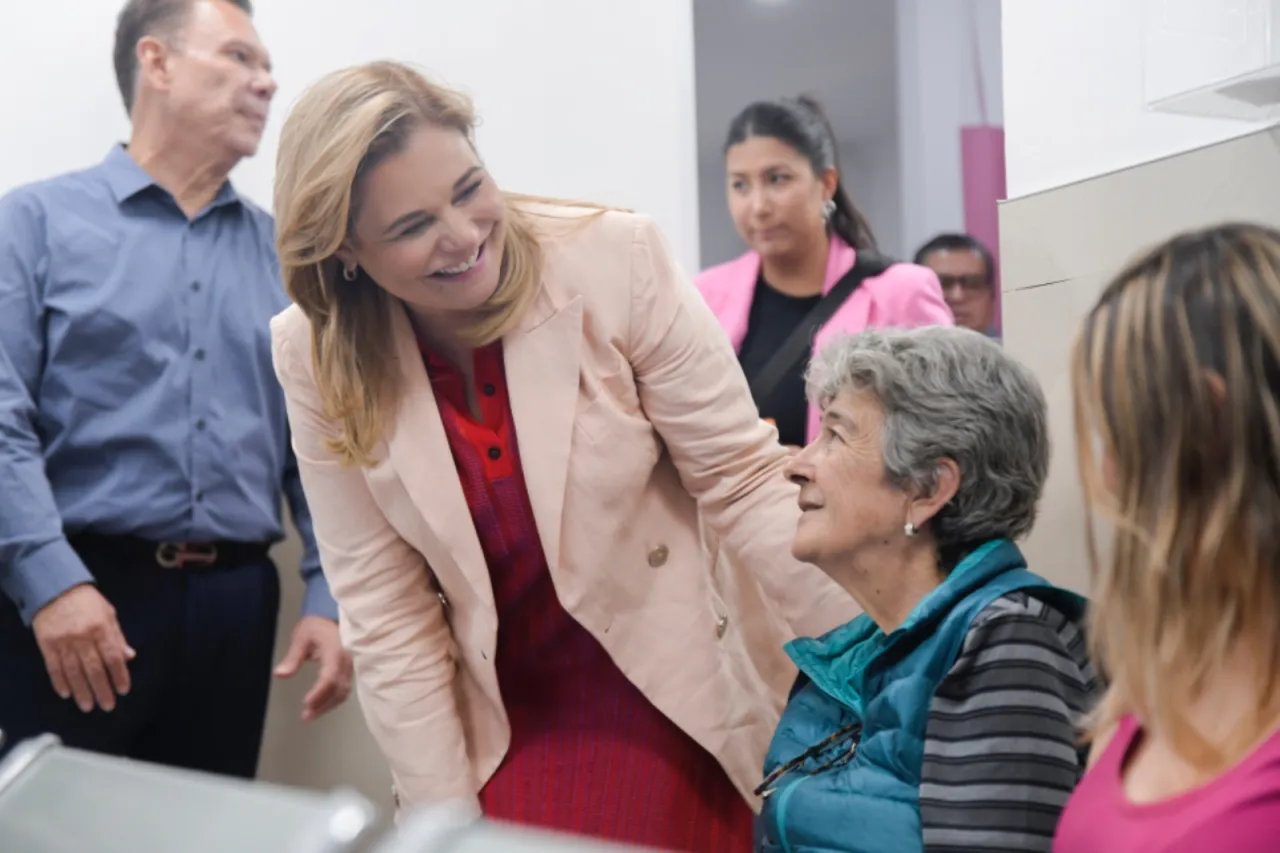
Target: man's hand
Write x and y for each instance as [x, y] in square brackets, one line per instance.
[84, 648]
[316, 638]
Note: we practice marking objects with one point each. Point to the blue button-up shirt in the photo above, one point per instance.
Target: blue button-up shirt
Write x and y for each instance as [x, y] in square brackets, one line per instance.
[137, 395]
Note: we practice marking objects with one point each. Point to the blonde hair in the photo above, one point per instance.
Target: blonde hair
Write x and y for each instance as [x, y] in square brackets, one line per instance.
[1175, 376]
[341, 128]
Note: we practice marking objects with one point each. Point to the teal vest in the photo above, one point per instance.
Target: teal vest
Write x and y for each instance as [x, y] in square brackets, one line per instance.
[870, 803]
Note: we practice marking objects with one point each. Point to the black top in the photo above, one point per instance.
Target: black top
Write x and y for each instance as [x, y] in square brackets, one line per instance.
[773, 317]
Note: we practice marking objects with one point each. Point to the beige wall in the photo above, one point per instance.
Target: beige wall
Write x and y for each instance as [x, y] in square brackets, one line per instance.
[336, 750]
[1058, 249]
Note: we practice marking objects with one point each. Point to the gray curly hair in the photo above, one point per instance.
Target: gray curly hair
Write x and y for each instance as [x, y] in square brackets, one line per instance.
[950, 393]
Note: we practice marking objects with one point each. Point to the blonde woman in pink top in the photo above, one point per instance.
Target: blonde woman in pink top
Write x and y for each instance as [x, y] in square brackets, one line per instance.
[1177, 383]
[812, 270]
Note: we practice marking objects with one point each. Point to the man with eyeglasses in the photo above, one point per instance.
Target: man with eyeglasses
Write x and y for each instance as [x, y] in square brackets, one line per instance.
[144, 445]
[966, 270]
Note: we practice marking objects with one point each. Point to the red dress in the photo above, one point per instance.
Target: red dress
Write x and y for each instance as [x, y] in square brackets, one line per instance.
[589, 753]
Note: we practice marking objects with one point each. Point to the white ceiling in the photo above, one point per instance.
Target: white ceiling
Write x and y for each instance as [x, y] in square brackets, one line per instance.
[843, 52]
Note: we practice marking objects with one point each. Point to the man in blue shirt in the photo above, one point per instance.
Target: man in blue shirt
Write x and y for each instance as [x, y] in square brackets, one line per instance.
[144, 443]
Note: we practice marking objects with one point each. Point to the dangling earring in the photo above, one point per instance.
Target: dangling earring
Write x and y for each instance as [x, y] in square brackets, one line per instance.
[349, 273]
[828, 210]
[910, 529]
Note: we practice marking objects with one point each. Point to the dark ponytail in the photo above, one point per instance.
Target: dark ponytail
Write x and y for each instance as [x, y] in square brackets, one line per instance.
[801, 124]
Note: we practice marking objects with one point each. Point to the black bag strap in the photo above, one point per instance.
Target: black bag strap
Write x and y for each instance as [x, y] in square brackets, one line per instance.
[800, 342]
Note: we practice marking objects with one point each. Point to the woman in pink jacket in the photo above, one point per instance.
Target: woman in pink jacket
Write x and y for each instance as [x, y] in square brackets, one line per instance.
[811, 272]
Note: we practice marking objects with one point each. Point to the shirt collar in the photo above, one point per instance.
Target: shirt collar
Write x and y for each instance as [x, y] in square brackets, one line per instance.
[126, 179]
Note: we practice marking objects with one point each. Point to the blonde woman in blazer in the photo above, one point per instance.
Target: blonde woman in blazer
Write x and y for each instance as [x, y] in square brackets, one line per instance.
[511, 417]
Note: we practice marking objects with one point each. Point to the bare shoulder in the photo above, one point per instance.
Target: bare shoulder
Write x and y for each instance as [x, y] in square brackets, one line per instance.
[1099, 741]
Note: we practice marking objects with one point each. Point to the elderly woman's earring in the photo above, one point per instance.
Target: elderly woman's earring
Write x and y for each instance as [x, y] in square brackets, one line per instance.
[349, 273]
[828, 209]
[910, 529]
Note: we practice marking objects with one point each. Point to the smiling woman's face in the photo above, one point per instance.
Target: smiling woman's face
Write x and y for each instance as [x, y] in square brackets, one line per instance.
[429, 225]
[850, 509]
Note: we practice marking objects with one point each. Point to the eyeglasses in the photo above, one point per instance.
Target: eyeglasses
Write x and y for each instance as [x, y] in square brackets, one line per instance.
[970, 283]
[837, 754]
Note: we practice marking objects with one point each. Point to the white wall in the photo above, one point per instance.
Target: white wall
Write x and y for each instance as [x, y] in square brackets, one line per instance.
[871, 175]
[949, 67]
[579, 98]
[1074, 95]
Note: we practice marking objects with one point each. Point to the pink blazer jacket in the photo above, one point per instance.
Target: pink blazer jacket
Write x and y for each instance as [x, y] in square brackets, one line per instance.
[904, 296]
[636, 429]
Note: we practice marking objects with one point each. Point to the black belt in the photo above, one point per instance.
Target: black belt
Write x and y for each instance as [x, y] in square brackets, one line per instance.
[171, 555]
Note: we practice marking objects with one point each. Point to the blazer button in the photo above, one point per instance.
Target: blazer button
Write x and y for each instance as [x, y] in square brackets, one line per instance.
[722, 625]
[658, 556]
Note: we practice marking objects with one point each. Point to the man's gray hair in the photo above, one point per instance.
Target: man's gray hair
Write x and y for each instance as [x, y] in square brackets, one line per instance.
[950, 393]
[138, 19]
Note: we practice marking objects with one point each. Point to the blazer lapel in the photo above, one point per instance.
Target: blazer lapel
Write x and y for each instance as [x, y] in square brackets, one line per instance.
[736, 311]
[541, 360]
[419, 453]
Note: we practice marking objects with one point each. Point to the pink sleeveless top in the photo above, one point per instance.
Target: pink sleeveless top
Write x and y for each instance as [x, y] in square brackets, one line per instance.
[1237, 812]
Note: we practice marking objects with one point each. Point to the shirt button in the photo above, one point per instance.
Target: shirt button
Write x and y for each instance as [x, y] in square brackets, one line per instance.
[199, 354]
[200, 424]
[489, 390]
[658, 556]
[199, 497]
[495, 454]
[195, 285]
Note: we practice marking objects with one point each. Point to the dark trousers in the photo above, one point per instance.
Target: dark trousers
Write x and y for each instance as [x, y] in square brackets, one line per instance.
[205, 640]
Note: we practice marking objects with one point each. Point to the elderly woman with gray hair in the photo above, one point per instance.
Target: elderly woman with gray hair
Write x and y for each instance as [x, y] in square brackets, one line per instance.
[946, 716]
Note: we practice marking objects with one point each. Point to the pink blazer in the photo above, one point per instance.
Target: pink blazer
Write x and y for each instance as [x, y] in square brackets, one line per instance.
[638, 438]
[904, 296]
